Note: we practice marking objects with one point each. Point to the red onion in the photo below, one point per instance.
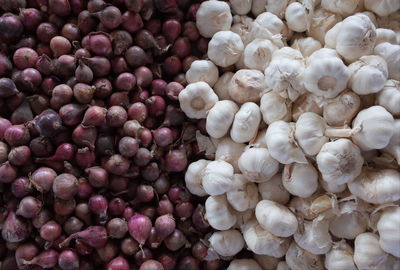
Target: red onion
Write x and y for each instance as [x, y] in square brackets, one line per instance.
[118, 263]
[175, 241]
[163, 136]
[108, 252]
[190, 31]
[168, 261]
[60, 7]
[139, 228]
[136, 56]
[41, 146]
[65, 186]
[83, 73]
[98, 204]
[85, 157]
[14, 229]
[68, 260]
[48, 123]
[7, 88]
[96, 5]
[41, 218]
[83, 248]
[5, 65]
[153, 25]
[44, 64]
[129, 246]
[72, 114]
[151, 265]
[71, 32]
[143, 157]
[188, 263]
[22, 114]
[132, 128]
[176, 160]
[85, 136]
[128, 147]
[146, 40]
[199, 220]
[165, 206]
[103, 88]
[94, 236]
[100, 44]
[125, 81]
[172, 65]
[20, 187]
[171, 29]
[24, 253]
[181, 47]
[83, 93]
[117, 165]
[38, 103]
[94, 116]
[8, 173]
[4, 124]
[105, 145]
[156, 106]
[143, 255]
[144, 77]
[164, 226]
[117, 228]
[47, 259]
[84, 190]
[147, 9]
[137, 111]
[3, 152]
[146, 138]
[132, 22]
[72, 225]
[64, 152]
[25, 58]
[50, 231]
[199, 250]
[116, 116]
[100, 66]
[43, 178]
[60, 45]
[110, 17]
[116, 207]
[119, 64]
[119, 99]
[11, 28]
[46, 31]
[150, 172]
[19, 155]
[121, 41]
[97, 176]
[184, 210]
[134, 5]
[31, 18]
[82, 211]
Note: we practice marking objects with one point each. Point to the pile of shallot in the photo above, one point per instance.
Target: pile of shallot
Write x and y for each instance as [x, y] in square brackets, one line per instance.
[302, 107]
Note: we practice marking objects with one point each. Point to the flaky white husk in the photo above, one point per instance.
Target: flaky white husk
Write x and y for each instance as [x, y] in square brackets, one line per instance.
[277, 7]
[385, 35]
[242, 25]
[220, 118]
[368, 254]
[227, 243]
[221, 87]
[230, 151]
[382, 8]
[344, 7]
[314, 237]
[320, 22]
[271, 22]
[297, 17]
[306, 45]
[276, 218]
[243, 195]
[282, 266]
[300, 179]
[225, 48]
[307, 103]
[282, 144]
[315, 205]
[340, 257]
[266, 262]
[257, 165]
[339, 161]
[376, 186]
[340, 111]
[217, 177]
[258, 141]
[274, 107]
[242, 218]
[213, 16]
[219, 214]
[244, 264]
[247, 85]
[274, 190]
[332, 187]
[258, 7]
[263, 242]
[202, 71]
[246, 122]
[389, 230]
[393, 148]
[391, 54]
[193, 177]
[389, 97]
[298, 258]
[241, 7]
[258, 53]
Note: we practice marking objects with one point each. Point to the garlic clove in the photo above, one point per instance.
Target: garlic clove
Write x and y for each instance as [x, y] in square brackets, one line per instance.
[246, 122]
[221, 87]
[340, 257]
[298, 258]
[340, 111]
[220, 118]
[300, 179]
[225, 48]
[217, 177]
[243, 195]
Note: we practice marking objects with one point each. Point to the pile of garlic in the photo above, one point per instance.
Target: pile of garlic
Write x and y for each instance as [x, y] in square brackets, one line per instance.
[305, 124]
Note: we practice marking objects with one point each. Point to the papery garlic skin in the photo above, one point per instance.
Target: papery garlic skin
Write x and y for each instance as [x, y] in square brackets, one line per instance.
[257, 165]
[368, 75]
[382, 8]
[342, 7]
[281, 143]
[243, 195]
[296, 17]
[221, 87]
[341, 110]
[217, 177]
[270, 21]
[258, 7]
[242, 218]
[276, 218]
[266, 262]
[367, 252]
[193, 177]
[243, 25]
[247, 85]
[389, 230]
[333, 187]
[307, 103]
[225, 48]
[259, 141]
[244, 264]
[376, 186]
[274, 190]
[389, 97]
[320, 22]
[393, 148]
[219, 214]
[374, 128]
[300, 179]
[241, 7]
[282, 266]
[391, 54]
[197, 99]
[306, 45]
[313, 206]
[213, 16]
[220, 118]
[340, 257]
[298, 258]
[246, 122]
[227, 243]
[230, 151]
[202, 70]
[385, 35]
[258, 53]
[277, 7]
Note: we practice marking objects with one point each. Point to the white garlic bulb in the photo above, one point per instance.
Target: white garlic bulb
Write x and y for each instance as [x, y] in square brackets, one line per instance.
[217, 177]
[340, 257]
[385, 35]
[368, 75]
[213, 16]
[343, 7]
[242, 218]
[313, 206]
[393, 148]
[229, 151]
[300, 179]
[268, 26]
[227, 243]
[298, 258]
[332, 187]
[246, 122]
[221, 87]
[225, 48]
[193, 177]
[243, 195]
[382, 8]
[258, 7]
[391, 54]
[341, 110]
[377, 186]
[258, 141]
[220, 118]
[197, 99]
[277, 7]
[276, 218]
[219, 214]
[202, 70]
[389, 230]
[282, 144]
[297, 17]
[339, 161]
[367, 252]
[241, 7]
[257, 165]
[282, 266]
[320, 22]
[266, 262]
[307, 103]
[274, 190]
[258, 53]
[244, 264]
[389, 97]
[306, 45]
[274, 107]
[243, 25]
[247, 85]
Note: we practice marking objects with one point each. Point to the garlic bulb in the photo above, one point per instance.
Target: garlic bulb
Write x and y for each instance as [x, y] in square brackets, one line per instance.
[321, 21]
[193, 177]
[300, 179]
[274, 190]
[258, 141]
[263, 242]
[339, 161]
[225, 48]
[266, 262]
[244, 264]
[374, 128]
[368, 75]
[241, 7]
[317, 204]
[257, 165]
[258, 7]
[281, 143]
[367, 252]
[391, 54]
[243, 195]
[325, 75]
[246, 122]
[213, 16]
[277, 7]
[343, 7]
[202, 70]
[197, 99]
[242, 218]
[315, 238]
[354, 37]
[306, 45]
[217, 177]
[393, 148]
[297, 17]
[276, 218]
[270, 22]
[221, 87]
[282, 266]
[220, 118]
[229, 151]
[247, 85]
[227, 243]
[341, 110]
[382, 8]
[333, 187]
[385, 35]
[376, 186]
[389, 97]
[219, 214]
[389, 230]
[340, 257]
[298, 258]
[306, 103]
[243, 25]
[258, 53]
